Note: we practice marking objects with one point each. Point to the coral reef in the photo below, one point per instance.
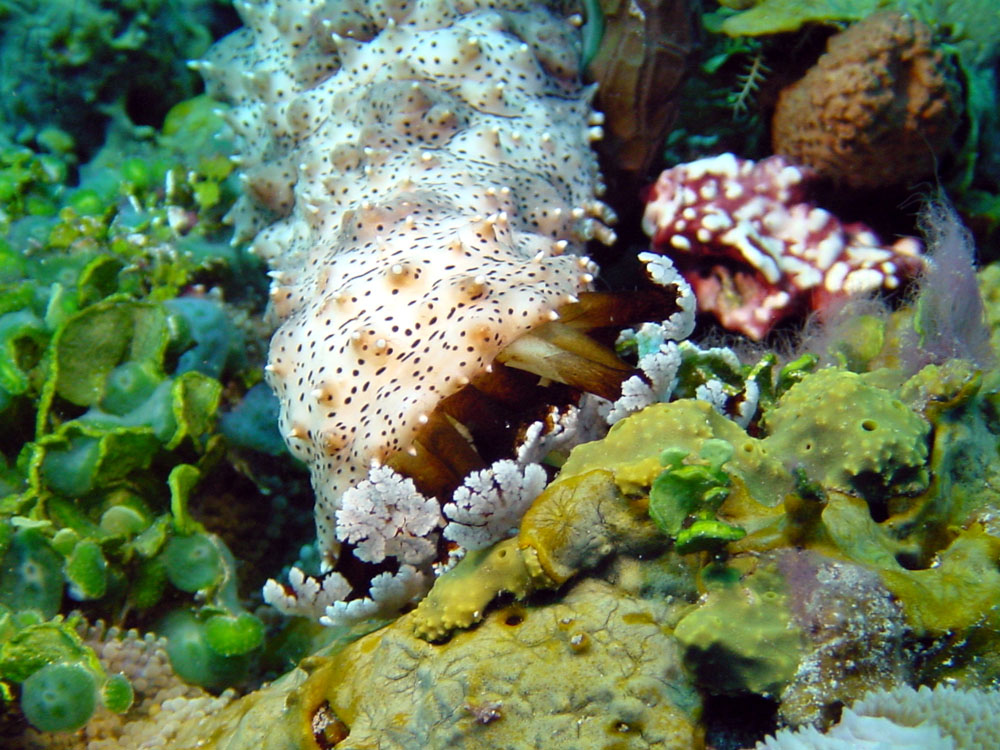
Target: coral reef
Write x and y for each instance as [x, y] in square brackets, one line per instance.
[814, 583]
[855, 533]
[571, 527]
[755, 251]
[623, 684]
[879, 107]
[588, 531]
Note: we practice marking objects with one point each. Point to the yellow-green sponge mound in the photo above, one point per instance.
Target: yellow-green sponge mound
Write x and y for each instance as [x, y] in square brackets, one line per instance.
[849, 435]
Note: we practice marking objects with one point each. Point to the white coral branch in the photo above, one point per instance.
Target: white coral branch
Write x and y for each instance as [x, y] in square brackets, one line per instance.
[660, 369]
[385, 515]
[305, 596]
[661, 270]
[490, 503]
[714, 392]
[562, 430]
[388, 595]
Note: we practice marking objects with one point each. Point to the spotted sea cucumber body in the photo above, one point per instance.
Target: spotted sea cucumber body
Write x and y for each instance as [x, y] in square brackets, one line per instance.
[418, 176]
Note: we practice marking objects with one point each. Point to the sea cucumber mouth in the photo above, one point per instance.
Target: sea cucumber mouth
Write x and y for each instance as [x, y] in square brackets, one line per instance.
[551, 366]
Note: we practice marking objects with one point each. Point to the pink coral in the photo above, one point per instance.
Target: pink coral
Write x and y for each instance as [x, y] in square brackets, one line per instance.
[756, 251]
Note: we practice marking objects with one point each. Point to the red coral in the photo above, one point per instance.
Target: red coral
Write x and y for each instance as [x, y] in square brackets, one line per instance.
[755, 251]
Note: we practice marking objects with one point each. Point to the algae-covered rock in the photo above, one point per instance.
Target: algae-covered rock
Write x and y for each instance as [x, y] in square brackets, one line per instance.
[571, 527]
[597, 669]
[959, 593]
[844, 435]
[854, 634]
[936, 390]
[279, 716]
[788, 630]
[839, 587]
[959, 400]
[742, 637]
[581, 521]
[460, 598]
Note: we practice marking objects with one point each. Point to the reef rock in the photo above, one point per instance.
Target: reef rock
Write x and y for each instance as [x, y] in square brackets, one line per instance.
[596, 669]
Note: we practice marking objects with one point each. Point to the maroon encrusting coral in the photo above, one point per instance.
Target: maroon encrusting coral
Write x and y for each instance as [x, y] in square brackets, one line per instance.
[755, 249]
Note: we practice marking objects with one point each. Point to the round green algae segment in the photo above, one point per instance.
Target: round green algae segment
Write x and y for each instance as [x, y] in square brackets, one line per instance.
[192, 657]
[59, 697]
[31, 574]
[233, 635]
[193, 563]
[117, 694]
[129, 385]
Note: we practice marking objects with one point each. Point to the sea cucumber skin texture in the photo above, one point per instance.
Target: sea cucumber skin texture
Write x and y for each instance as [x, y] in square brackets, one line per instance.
[419, 178]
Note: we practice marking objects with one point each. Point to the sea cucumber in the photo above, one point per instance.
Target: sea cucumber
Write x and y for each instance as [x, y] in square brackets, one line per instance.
[418, 176]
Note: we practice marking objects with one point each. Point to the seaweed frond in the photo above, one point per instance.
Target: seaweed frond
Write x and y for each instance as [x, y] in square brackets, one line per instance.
[749, 82]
